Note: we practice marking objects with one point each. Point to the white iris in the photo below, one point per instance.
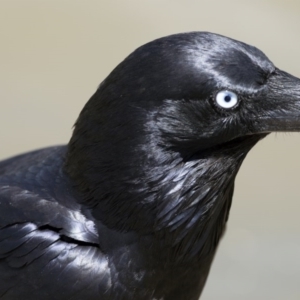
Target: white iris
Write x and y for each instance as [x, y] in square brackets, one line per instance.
[226, 99]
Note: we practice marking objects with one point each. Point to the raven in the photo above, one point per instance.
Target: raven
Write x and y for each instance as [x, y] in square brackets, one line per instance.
[134, 206]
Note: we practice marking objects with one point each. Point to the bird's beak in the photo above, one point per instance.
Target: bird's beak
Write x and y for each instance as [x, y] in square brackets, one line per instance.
[279, 108]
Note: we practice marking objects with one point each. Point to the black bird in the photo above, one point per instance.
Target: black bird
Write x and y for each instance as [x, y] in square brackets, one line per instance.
[134, 206]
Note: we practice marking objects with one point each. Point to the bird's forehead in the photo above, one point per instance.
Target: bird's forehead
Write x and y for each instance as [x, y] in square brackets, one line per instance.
[229, 62]
[212, 46]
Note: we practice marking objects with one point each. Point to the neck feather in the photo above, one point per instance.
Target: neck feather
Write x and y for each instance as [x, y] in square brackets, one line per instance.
[184, 203]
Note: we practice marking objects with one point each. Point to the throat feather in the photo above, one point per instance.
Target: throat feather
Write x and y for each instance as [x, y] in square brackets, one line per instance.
[194, 210]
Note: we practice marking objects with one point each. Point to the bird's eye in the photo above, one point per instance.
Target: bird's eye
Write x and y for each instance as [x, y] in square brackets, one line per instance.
[226, 99]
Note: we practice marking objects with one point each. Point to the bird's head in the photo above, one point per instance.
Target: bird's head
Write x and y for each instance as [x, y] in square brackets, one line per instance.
[168, 118]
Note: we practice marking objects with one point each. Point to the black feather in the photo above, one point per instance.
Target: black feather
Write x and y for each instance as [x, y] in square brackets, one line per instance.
[134, 206]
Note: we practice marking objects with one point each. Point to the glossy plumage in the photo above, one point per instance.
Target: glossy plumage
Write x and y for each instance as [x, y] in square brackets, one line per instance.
[134, 206]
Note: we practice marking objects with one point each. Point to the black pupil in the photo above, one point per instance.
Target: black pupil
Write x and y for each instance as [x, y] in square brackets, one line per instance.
[227, 98]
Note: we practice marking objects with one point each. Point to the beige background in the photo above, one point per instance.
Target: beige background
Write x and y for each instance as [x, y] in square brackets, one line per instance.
[54, 53]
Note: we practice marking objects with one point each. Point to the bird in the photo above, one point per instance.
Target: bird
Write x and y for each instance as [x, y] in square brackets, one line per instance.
[134, 206]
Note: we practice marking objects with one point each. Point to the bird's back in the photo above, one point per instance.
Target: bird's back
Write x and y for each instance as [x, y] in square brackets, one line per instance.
[48, 247]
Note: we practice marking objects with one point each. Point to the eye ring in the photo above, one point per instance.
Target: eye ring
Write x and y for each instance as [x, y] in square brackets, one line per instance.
[226, 99]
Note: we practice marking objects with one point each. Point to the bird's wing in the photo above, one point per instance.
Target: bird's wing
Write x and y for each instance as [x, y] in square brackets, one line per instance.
[48, 247]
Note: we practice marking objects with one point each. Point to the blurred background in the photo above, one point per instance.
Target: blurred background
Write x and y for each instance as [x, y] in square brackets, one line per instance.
[53, 55]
